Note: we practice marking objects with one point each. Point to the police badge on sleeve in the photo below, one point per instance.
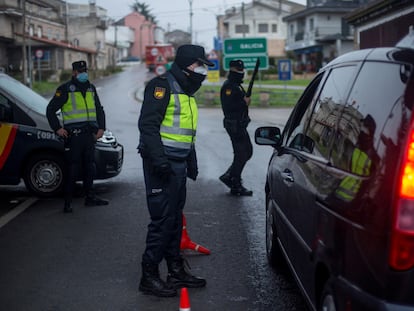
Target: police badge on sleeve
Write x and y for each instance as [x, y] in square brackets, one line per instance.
[159, 93]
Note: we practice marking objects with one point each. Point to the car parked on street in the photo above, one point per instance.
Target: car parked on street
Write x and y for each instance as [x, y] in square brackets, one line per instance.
[31, 151]
[340, 184]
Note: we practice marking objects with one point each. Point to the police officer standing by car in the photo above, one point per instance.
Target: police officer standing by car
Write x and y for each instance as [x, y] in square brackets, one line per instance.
[83, 123]
[235, 105]
[167, 124]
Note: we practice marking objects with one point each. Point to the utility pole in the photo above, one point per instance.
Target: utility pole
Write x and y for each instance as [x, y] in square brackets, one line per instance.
[191, 20]
[24, 52]
[243, 21]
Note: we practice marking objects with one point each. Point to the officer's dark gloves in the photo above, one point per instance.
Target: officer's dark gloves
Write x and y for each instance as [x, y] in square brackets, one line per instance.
[192, 167]
[163, 171]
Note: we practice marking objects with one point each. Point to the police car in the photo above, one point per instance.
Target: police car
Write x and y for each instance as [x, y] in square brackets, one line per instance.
[31, 151]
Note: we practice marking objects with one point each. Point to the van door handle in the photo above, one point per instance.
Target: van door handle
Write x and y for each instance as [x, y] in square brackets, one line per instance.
[287, 176]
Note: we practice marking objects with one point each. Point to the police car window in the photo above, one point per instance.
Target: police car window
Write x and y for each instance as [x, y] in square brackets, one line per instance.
[5, 110]
[22, 93]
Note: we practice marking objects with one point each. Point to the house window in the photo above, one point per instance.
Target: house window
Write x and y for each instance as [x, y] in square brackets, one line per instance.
[263, 28]
[242, 28]
[291, 30]
[311, 25]
[274, 27]
[328, 17]
[39, 31]
[31, 29]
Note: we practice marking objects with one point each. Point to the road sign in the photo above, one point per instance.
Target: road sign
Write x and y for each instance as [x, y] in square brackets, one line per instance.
[248, 50]
[160, 69]
[39, 53]
[248, 60]
[284, 69]
[245, 46]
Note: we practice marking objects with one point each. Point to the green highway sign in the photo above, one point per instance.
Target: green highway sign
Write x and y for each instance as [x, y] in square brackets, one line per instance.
[245, 46]
[248, 60]
[248, 50]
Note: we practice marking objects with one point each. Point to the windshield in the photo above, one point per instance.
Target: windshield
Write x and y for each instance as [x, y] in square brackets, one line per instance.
[24, 94]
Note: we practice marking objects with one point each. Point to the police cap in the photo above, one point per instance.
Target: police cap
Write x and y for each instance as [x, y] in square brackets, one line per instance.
[237, 64]
[188, 54]
[79, 66]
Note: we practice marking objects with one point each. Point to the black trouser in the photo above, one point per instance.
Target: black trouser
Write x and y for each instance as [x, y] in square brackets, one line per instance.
[242, 150]
[165, 200]
[80, 161]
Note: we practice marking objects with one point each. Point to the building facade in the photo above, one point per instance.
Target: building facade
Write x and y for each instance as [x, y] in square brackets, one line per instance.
[320, 33]
[381, 23]
[260, 18]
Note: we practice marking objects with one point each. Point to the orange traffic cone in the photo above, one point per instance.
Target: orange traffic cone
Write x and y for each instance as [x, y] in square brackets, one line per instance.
[186, 242]
[184, 300]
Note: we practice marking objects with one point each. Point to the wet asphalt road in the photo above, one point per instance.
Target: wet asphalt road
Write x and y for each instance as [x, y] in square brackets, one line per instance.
[91, 260]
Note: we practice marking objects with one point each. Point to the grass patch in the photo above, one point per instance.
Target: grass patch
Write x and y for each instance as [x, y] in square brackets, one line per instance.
[209, 95]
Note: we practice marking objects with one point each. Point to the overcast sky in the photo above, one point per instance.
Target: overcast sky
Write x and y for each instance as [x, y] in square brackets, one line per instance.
[175, 14]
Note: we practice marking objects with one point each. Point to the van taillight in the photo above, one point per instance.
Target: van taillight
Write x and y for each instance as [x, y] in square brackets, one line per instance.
[402, 236]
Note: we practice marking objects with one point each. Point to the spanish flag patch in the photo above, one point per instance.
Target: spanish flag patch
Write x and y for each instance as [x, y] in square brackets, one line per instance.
[58, 93]
[159, 92]
[228, 92]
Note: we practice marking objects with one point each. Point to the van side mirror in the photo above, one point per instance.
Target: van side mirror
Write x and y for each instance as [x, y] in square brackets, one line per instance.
[268, 135]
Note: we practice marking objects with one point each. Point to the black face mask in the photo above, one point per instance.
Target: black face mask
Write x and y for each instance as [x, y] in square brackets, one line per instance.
[194, 81]
[236, 76]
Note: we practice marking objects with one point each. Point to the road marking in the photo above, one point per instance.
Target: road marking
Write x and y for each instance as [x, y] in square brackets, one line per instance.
[16, 211]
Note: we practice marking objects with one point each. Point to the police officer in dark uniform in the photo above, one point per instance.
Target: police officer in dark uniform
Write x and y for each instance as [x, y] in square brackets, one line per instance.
[236, 118]
[83, 123]
[167, 124]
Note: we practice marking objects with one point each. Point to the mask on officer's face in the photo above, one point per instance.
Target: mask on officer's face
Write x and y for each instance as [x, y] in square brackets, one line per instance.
[236, 76]
[82, 77]
[195, 79]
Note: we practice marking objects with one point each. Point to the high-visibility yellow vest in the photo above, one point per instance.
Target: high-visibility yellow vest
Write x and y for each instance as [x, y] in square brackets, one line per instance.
[78, 108]
[178, 129]
[349, 186]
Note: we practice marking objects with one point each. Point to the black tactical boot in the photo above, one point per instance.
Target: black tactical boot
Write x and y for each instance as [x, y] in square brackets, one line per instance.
[238, 189]
[151, 283]
[178, 276]
[93, 200]
[226, 178]
[67, 208]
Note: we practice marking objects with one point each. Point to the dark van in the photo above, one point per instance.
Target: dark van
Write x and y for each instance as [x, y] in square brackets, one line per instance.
[340, 184]
[29, 149]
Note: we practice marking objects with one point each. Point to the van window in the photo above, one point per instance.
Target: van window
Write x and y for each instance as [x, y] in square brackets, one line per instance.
[317, 127]
[364, 115]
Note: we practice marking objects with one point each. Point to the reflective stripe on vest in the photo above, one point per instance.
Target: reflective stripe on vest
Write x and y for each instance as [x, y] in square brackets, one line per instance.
[78, 108]
[178, 129]
[349, 186]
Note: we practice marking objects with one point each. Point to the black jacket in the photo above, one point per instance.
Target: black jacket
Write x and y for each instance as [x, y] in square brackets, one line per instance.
[233, 104]
[156, 99]
[60, 98]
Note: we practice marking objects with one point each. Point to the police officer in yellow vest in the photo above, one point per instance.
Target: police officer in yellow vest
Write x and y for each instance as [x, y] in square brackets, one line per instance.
[362, 163]
[168, 124]
[83, 123]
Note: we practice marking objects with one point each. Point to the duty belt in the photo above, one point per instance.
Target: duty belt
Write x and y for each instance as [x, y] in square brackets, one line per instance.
[79, 131]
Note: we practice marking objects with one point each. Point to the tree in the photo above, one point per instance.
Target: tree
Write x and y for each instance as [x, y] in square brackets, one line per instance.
[143, 9]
